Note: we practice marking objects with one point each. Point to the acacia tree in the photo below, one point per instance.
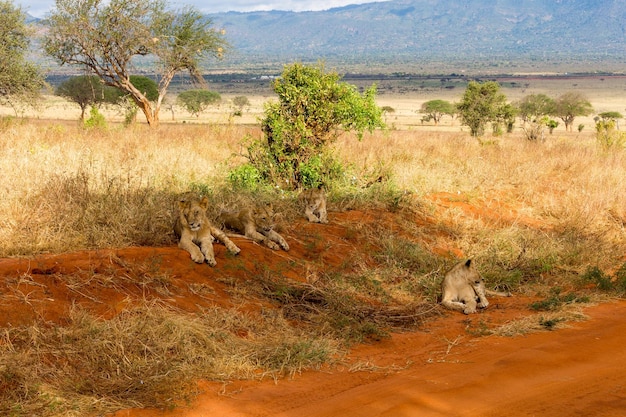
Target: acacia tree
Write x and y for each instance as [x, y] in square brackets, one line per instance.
[197, 101]
[534, 110]
[611, 116]
[570, 105]
[436, 109]
[535, 106]
[482, 104]
[313, 108]
[20, 80]
[84, 90]
[106, 36]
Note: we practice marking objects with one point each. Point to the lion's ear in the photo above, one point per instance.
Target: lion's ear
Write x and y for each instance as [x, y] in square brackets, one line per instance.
[468, 263]
[204, 203]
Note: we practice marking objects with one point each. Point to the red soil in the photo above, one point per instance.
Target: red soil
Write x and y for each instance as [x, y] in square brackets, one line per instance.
[441, 370]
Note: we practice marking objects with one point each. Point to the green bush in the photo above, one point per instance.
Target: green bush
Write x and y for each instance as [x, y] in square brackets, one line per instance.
[96, 120]
[313, 108]
[245, 176]
[608, 136]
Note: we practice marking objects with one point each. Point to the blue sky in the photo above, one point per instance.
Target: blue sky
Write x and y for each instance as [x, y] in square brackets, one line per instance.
[39, 8]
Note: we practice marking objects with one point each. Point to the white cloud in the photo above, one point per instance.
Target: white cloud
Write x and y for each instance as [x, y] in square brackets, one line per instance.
[39, 8]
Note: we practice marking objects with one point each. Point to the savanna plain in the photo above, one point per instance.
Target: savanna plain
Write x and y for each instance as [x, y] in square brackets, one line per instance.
[102, 314]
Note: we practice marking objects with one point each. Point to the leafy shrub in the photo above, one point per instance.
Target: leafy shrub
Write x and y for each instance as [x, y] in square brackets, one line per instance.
[313, 108]
[604, 281]
[245, 176]
[96, 120]
[608, 136]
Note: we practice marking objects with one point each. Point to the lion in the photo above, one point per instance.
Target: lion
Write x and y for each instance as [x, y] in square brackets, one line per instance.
[314, 201]
[463, 289]
[196, 233]
[256, 223]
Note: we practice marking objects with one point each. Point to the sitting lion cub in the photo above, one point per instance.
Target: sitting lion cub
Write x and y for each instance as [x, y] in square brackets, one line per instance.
[314, 200]
[257, 224]
[196, 233]
[463, 289]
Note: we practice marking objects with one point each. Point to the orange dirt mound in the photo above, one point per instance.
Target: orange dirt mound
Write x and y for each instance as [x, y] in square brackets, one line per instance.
[441, 370]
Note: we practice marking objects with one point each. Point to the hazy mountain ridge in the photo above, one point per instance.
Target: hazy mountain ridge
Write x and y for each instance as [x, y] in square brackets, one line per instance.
[433, 29]
[419, 31]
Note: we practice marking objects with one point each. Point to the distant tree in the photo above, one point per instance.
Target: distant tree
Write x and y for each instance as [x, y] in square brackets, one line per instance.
[570, 105]
[534, 109]
[106, 36]
[84, 90]
[552, 124]
[505, 115]
[481, 104]
[535, 106]
[20, 80]
[239, 102]
[197, 101]
[435, 109]
[611, 115]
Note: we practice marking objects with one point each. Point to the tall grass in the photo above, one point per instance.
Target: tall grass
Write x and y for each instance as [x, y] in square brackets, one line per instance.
[568, 187]
[528, 212]
[67, 188]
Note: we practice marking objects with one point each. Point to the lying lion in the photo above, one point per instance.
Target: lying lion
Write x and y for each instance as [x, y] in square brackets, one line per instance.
[196, 233]
[255, 223]
[314, 201]
[463, 289]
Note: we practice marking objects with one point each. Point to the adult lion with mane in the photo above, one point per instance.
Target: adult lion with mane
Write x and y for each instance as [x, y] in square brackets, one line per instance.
[196, 233]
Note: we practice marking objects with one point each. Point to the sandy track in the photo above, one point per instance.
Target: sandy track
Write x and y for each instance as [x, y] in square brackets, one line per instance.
[571, 372]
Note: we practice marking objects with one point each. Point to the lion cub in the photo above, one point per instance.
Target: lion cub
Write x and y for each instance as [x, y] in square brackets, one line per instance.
[196, 233]
[463, 289]
[257, 224]
[314, 201]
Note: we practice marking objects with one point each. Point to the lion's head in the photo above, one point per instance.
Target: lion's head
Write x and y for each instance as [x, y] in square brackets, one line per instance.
[264, 217]
[193, 212]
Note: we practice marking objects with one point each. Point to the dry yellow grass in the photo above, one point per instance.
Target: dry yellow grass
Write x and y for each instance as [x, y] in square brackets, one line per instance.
[54, 170]
[554, 207]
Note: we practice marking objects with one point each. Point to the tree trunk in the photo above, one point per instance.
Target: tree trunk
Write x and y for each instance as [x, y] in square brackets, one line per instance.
[146, 108]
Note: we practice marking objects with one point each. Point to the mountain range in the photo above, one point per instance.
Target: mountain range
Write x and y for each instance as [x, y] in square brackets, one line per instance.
[412, 33]
[433, 30]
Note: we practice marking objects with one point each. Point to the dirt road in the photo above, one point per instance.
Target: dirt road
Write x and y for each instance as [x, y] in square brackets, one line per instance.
[579, 371]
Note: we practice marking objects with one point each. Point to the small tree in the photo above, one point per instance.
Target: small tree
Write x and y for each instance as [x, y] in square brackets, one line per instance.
[611, 115]
[20, 80]
[84, 90]
[535, 106]
[436, 109]
[313, 107]
[552, 124]
[570, 105]
[608, 136]
[106, 37]
[481, 104]
[197, 101]
[239, 102]
[534, 109]
[505, 115]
